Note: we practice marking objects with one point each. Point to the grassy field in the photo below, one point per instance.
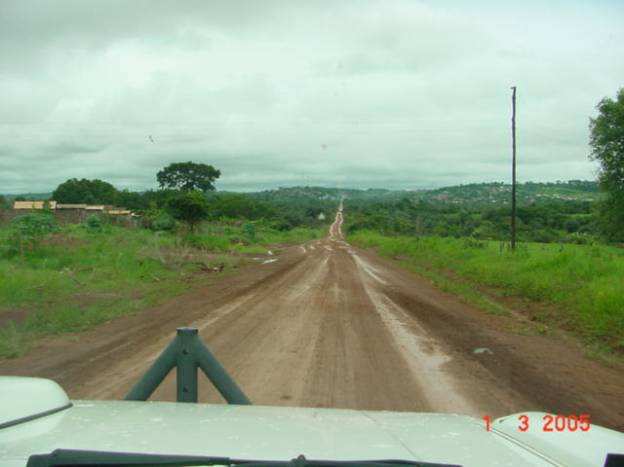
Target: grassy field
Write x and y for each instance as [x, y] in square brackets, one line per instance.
[582, 285]
[247, 237]
[77, 278]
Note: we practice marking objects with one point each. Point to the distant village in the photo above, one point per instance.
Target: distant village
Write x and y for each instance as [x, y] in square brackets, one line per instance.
[68, 213]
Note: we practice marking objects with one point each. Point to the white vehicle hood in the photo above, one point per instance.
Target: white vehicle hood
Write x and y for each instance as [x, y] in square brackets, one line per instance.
[271, 433]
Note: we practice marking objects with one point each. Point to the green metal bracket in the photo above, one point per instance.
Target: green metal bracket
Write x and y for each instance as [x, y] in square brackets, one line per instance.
[187, 353]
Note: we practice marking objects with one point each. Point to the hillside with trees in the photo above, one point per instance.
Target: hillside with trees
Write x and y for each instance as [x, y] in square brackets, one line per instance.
[548, 212]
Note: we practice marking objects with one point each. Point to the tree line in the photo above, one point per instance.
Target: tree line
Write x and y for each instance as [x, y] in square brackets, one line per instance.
[544, 221]
[549, 220]
[187, 193]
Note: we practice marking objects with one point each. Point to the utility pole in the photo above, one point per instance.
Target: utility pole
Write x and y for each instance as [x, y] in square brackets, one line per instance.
[513, 170]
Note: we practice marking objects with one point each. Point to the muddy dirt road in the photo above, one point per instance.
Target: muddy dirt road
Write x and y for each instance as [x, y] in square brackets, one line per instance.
[327, 325]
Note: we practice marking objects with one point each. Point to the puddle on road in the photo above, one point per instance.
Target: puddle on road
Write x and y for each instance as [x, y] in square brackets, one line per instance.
[422, 353]
[367, 268]
[424, 357]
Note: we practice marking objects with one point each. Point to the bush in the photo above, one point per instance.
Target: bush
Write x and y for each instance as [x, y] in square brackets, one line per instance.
[27, 231]
[164, 221]
[94, 223]
[158, 220]
[580, 239]
[250, 231]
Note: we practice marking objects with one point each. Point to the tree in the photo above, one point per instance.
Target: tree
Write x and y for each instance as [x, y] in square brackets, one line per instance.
[188, 176]
[157, 198]
[607, 144]
[3, 202]
[75, 191]
[190, 207]
[131, 200]
[237, 206]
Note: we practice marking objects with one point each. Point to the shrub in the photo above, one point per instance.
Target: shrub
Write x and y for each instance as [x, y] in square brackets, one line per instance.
[164, 221]
[27, 231]
[94, 223]
[250, 231]
[158, 220]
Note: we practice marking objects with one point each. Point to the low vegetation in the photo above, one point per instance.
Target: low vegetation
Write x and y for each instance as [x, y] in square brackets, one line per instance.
[70, 278]
[551, 220]
[57, 279]
[580, 284]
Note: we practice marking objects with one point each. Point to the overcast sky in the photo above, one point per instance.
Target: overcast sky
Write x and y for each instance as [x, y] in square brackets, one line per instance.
[396, 94]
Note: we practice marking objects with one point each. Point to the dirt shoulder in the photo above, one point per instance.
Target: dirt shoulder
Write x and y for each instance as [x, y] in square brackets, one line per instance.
[552, 371]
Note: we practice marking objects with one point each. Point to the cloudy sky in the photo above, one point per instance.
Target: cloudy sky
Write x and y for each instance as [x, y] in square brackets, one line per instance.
[397, 94]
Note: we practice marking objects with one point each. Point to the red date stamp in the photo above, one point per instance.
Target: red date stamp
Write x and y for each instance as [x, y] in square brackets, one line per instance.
[550, 423]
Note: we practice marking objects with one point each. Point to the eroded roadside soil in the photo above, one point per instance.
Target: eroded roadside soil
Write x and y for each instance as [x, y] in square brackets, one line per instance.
[329, 325]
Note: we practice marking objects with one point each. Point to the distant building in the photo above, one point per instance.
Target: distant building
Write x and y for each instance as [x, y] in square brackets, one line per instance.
[71, 206]
[119, 212]
[97, 207]
[30, 205]
[84, 208]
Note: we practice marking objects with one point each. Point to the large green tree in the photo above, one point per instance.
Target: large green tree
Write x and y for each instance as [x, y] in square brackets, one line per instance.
[188, 176]
[75, 191]
[190, 207]
[607, 144]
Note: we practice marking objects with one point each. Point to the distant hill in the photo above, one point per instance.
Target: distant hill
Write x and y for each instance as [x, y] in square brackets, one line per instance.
[500, 194]
[321, 193]
[476, 194]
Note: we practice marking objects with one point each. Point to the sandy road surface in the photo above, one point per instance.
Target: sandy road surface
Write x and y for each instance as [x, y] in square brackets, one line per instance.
[328, 325]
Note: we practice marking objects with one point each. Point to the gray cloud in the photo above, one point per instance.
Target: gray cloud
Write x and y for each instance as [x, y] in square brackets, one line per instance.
[398, 94]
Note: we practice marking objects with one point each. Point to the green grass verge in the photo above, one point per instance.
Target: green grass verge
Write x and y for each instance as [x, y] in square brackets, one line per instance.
[76, 278]
[250, 238]
[581, 284]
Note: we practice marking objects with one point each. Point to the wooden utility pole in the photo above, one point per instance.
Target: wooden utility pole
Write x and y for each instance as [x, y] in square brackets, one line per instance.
[513, 169]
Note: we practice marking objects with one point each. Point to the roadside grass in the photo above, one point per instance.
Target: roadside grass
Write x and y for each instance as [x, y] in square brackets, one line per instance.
[248, 238]
[581, 284]
[77, 278]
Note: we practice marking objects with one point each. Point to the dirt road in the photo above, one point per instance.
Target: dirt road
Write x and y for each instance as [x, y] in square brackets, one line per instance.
[327, 325]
